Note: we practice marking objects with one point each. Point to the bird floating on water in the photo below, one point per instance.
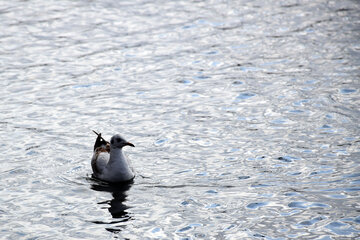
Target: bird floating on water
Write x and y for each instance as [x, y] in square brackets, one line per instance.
[108, 162]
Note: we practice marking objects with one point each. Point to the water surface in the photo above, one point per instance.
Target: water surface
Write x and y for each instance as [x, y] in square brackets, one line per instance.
[245, 116]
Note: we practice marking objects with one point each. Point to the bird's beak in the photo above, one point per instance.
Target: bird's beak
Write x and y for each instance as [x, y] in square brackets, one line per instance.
[129, 144]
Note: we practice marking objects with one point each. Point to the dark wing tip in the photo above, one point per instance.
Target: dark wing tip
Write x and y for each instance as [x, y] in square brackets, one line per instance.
[99, 142]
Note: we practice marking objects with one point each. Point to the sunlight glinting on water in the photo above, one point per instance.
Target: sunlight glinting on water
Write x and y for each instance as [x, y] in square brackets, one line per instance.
[244, 115]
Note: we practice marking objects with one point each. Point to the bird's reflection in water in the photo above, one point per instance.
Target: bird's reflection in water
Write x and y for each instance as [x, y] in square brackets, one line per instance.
[117, 206]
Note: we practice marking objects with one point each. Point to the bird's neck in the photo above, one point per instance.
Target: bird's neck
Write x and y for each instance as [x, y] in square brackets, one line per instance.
[118, 163]
[117, 156]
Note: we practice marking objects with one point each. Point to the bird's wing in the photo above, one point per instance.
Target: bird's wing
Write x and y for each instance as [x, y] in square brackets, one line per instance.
[100, 142]
[99, 161]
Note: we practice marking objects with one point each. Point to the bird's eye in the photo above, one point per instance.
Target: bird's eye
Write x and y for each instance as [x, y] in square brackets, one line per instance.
[118, 140]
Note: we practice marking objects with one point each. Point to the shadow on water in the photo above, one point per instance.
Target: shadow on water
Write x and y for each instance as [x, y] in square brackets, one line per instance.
[116, 206]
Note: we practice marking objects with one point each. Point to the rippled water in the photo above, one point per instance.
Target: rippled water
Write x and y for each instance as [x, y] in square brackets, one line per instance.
[245, 116]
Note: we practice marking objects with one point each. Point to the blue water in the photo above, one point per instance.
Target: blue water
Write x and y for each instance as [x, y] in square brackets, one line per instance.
[245, 116]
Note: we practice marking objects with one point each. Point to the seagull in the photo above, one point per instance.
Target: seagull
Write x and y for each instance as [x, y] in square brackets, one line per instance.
[108, 161]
